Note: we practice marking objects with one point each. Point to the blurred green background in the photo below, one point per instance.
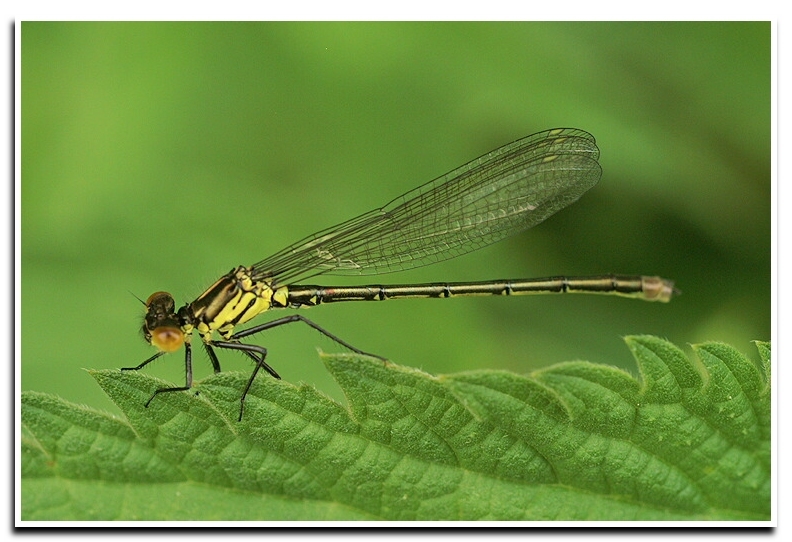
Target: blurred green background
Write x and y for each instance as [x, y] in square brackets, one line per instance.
[157, 156]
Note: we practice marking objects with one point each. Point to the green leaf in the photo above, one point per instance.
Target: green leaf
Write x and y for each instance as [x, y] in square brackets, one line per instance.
[576, 441]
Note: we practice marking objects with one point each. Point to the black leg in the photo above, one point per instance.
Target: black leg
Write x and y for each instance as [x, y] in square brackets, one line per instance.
[188, 377]
[259, 353]
[299, 318]
[212, 358]
[152, 358]
[251, 350]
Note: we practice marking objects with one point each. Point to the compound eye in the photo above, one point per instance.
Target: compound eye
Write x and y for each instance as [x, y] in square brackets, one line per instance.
[167, 339]
[161, 298]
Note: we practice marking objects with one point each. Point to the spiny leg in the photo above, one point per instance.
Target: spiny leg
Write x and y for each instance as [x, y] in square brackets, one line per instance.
[152, 358]
[299, 318]
[259, 353]
[255, 352]
[212, 357]
[188, 378]
[249, 351]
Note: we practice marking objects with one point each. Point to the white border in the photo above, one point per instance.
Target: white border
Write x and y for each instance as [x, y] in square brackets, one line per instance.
[407, 10]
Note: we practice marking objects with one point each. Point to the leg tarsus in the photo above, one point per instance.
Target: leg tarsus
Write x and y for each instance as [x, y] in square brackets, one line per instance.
[139, 367]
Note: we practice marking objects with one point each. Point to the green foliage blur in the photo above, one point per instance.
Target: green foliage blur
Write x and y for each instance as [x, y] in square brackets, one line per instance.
[157, 156]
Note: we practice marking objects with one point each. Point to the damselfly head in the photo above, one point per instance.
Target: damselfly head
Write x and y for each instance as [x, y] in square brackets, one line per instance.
[161, 324]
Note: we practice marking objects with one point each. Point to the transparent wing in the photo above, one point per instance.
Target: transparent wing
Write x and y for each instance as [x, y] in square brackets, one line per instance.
[501, 193]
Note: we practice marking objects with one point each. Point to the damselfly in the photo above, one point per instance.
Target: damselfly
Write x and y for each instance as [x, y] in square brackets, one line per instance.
[501, 193]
